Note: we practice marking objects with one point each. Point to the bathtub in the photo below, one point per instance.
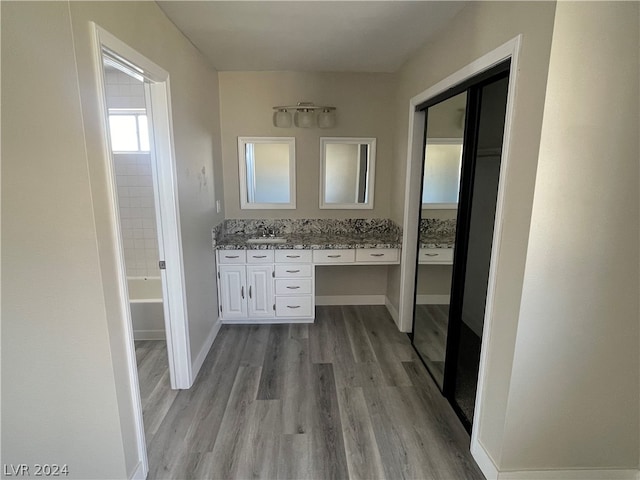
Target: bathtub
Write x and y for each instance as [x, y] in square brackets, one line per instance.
[147, 314]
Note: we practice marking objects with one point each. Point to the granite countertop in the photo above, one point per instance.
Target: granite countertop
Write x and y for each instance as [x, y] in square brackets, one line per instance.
[434, 241]
[309, 234]
[324, 234]
[311, 241]
[436, 233]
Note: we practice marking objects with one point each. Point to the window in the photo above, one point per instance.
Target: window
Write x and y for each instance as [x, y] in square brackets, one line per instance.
[129, 130]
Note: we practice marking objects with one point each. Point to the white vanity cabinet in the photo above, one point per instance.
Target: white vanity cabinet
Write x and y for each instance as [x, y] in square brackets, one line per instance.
[265, 286]
[436, 256]
[245, 286]
[232, 300]
[357, 256]
[278, 286]
[246, 291]
[294, 285]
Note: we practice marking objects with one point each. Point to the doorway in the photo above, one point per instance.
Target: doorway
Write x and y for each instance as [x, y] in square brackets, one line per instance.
[158, 192]
[145, 147]
[461, 186]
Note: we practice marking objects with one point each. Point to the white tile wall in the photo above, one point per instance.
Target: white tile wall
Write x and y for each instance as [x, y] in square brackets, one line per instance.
[123, 91]
[137, 213]
[135, 186]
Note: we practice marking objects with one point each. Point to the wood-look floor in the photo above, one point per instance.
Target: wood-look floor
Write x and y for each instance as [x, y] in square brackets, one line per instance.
[345, 397]
[430, 337]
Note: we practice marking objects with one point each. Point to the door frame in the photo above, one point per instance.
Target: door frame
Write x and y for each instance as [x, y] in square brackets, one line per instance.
[157, 91]
[413, 183]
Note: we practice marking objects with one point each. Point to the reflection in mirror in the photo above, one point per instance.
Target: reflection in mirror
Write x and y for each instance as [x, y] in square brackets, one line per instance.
[347, 172]
[442, 161]
[443, 155]
[267, 172]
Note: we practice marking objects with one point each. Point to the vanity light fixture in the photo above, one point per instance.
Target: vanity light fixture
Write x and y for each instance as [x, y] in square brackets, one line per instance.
[304, 115]
[282, 118]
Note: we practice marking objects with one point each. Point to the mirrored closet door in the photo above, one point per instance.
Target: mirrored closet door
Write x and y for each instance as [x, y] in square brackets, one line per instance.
[464, 130]
[440, 189]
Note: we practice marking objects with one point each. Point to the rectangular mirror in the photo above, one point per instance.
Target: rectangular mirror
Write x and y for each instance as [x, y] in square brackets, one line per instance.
[347, 172]
[267, 172]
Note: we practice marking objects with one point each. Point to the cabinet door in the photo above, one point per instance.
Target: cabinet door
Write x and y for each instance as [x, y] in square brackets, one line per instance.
[232, 290]
[260, 291]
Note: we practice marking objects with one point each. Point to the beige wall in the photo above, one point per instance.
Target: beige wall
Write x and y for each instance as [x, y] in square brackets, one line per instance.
[59, 399]
[476, 30]
[364, 108]
[63, 343]
[338, 280]
[573, 400]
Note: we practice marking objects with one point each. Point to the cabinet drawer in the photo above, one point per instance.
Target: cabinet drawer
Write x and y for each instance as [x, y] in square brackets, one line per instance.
[334, 256]
[293, 256]
[293, 286]
[374, 255]
[300, 306]
[436, 255]
[231, 256]
[259, 256]
[293, 271]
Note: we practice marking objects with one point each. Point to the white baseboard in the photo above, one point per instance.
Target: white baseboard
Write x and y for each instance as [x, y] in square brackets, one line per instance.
[393, 311]
[202, 355]
[484, 461]
[350, 299]
[491, 472]
[433, 299]
[138, 473]
[612, 474]
[149, 335]
[267, 321]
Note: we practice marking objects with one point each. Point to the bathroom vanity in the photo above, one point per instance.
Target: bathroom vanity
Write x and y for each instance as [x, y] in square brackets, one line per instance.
[266, 278]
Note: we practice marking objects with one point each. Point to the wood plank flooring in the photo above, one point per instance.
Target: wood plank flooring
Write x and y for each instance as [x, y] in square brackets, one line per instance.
[431, 323]
[343, 398]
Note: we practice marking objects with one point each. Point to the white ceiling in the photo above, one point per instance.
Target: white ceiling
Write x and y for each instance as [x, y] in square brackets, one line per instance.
[331, 36]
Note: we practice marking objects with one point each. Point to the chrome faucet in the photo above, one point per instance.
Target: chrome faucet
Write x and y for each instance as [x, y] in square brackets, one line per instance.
[268, 232]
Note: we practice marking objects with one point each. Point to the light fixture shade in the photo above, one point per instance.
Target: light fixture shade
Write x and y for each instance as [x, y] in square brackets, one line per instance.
[327, 119]
[282, 119]
[305, 118]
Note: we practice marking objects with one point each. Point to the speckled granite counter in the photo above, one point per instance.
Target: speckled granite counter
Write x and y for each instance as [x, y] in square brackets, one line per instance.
[309, 234]
[435, 233]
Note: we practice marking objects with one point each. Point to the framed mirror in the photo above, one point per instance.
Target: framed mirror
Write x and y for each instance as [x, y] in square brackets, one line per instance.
[267, 172]
[347, 172]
